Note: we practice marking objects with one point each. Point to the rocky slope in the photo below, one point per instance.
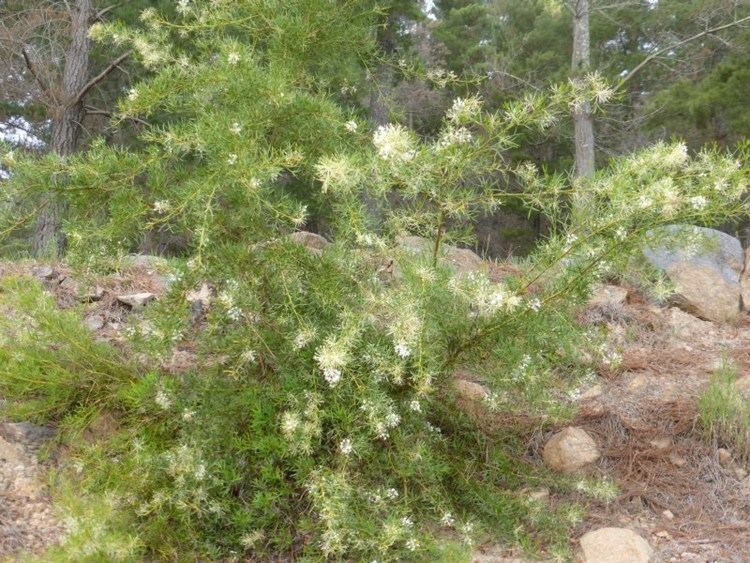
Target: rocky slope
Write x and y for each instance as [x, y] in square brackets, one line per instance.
[680, 499]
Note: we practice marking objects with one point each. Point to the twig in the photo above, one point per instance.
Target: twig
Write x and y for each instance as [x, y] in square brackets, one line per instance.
[658, 52]
[99, 77]
[32, 70]
[94, 111]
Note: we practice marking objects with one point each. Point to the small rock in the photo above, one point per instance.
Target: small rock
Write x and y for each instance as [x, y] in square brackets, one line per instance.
[743, 383]
[539, 495]
[69, 284]
[724, 456]
[663, 534]
[745, 281]
[637, 382]
[414, 244]
[661, 443]
[615, 545]
[180, 362]
[668, 514]
[462, 260]
[608, 295]
[592, 393]
[685, 326]
[93, 295]
[43, 272]
[471, 390]
[25, 433]
[312, 241]
[740, 473]
[677, 460]
[199, 300]
[146, 261]
[94, 322]
[706, 279]
[570, 450]
[136, 301]
[470, 395]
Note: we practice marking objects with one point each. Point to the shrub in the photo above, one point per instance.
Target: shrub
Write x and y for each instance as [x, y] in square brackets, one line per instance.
[318, 419]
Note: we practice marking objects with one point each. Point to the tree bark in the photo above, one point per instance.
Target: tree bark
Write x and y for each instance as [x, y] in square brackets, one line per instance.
[382, 78]
[66, 125]
[583, 120]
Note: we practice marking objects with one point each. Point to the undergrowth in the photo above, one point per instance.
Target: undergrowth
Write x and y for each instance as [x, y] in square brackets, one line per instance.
[725, 413]
[236, 457]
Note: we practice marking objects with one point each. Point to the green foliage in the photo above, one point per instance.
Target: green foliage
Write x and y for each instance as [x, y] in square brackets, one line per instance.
[725, 413]
[48, 363]
[711, 109]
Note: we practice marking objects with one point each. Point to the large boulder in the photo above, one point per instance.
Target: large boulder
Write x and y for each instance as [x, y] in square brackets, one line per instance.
[705, 271]
[608, 296]
[570, 450]
[745, 282]
[461, 260]
[615, 545]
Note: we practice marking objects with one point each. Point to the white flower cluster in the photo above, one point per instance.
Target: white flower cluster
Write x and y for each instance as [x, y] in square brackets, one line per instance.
[485, 297]
[402, 349]
[698, 202]
[405, 331]
[394, 143]
[338, 174]
[346, 447]
[304, 337]
[441, 77]
[332, 357]
[454, 136]
[185, 462]
[162, 206]
[520, 373]
[330, 493]
[152, 55]
[464, 110]
[302, 427]
[227, 299]
[163, 400]
[381, 417]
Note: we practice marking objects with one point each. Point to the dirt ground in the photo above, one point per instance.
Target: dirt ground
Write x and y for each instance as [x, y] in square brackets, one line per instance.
[673, 489]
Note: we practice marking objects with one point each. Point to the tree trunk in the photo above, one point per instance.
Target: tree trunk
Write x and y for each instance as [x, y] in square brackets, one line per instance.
[66, 125]
[583, 120]
[382, 78]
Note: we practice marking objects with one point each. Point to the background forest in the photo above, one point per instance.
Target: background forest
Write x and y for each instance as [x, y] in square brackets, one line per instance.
[678, 69]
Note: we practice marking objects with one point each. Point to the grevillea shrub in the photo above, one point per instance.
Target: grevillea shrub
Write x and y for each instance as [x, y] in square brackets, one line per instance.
[318, 418]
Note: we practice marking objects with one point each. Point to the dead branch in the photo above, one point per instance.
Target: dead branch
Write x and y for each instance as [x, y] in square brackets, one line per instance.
[678, 44]
[37, 77]
[101, 76]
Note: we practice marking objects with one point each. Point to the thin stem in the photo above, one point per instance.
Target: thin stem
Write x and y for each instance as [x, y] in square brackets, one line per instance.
[438, 238]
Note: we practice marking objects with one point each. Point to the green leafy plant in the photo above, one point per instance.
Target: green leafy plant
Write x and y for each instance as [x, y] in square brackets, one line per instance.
[725, 413]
